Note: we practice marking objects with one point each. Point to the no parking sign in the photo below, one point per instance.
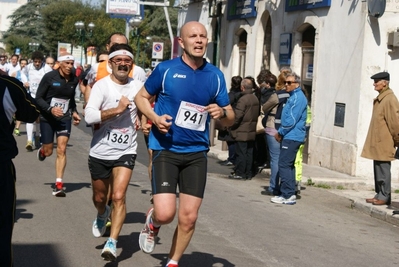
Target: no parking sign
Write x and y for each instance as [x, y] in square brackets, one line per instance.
[157, 50]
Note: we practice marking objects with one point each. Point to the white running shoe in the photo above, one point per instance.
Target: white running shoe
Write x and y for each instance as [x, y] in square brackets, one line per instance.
[109, 250]
[147, 238]
[280, 200]
[99, 224]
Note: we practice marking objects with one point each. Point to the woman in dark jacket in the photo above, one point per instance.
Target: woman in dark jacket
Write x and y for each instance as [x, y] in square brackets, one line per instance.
[224, 134]
[261, 153]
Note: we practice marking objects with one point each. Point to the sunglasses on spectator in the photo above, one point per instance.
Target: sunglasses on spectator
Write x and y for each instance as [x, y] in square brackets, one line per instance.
[289, 82]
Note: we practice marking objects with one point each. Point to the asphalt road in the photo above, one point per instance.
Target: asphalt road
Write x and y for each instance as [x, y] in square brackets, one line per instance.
[237, 225]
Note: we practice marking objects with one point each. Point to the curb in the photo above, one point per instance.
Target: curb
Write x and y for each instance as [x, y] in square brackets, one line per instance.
[355, 189]
[375, 212]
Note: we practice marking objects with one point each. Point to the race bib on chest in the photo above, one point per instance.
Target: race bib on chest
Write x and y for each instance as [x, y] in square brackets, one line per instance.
[120, 138]
[33, 87]
[191, 116]
[61, 103]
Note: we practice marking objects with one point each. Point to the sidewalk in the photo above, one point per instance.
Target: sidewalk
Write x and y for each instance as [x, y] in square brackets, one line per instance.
[357, 189]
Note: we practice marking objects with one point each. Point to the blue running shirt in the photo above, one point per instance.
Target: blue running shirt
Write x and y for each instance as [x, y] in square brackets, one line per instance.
[173, 81]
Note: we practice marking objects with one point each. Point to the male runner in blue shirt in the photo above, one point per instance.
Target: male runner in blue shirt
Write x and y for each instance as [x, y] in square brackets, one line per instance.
[186, 90]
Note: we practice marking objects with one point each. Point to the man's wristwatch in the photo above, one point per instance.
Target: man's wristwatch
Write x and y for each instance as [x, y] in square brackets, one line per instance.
[224, 113]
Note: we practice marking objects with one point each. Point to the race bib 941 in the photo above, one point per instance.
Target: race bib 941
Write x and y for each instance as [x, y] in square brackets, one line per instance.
[191, 116]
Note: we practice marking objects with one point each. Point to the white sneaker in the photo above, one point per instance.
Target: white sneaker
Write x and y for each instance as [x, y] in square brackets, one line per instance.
[109, 251]
[99, 225]
[147, 238]
[280, 200]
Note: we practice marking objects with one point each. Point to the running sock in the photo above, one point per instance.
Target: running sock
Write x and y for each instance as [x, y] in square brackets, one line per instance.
[171, 262]
[154, 224]
[58, 183]
[29, 131]
[102, 216]
[113, 240]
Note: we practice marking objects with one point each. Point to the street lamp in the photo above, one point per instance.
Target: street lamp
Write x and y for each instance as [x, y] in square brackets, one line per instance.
[148, 40]
[33, 46]
[134, 23]
[82, 33]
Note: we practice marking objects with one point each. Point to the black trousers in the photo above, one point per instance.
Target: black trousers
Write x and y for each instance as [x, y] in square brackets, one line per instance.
[261, 151]
[244, 158]
[7, 211]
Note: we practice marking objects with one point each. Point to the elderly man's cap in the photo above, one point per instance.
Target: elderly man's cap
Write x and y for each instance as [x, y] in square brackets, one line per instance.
[381, 76]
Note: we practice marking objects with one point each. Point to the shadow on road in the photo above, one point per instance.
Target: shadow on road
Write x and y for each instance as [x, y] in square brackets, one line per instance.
[21, 213]
[70, 187]
[37, 255]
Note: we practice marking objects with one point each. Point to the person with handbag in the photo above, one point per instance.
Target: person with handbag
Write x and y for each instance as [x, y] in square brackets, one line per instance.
[273, 100]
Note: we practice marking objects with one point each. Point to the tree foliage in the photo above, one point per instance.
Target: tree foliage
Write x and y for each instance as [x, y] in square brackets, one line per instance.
[155, 26]
[26, 23]
[48, 22]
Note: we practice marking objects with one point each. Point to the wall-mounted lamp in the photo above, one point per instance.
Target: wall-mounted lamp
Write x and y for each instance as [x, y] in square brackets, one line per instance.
[376, 8]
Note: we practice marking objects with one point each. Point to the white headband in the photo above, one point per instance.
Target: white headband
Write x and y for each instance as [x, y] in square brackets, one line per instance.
[66, 57]
[121, 52]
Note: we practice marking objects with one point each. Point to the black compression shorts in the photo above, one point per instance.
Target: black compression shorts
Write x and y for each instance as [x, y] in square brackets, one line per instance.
[188, 170]
[59, 128]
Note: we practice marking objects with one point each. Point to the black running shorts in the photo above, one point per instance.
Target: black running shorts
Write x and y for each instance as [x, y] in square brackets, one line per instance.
[102, 169]
[188, 170]
[59, 128]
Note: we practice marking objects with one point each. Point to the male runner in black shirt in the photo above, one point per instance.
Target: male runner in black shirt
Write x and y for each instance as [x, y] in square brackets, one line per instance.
[55, 98]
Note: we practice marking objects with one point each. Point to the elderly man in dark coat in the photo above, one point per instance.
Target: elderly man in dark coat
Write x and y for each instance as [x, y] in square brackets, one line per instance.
[382, 138]
[244, 130]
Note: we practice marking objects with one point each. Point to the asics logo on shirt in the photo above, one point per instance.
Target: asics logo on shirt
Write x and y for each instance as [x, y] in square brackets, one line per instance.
[180, 76]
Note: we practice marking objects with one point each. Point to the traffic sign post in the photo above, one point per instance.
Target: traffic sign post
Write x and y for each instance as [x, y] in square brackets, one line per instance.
[157, 50]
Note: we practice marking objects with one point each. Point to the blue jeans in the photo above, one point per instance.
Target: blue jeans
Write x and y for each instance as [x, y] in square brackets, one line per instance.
[274, 149]
[286, 167]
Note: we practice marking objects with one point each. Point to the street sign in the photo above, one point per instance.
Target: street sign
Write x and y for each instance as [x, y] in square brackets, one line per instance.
[122, 8]
[157, 50]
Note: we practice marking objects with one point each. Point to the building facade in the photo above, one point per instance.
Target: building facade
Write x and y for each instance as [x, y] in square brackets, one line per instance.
[335, 46]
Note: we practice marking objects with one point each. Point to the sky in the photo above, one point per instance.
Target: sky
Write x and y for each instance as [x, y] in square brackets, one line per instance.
[94, 2]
